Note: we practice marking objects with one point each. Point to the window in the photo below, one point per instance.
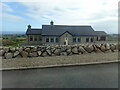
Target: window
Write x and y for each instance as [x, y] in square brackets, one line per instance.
[40, 39]
[66, 38]
[64, 43]
[74, 39]
[31, 39]
[79, 39]
[87, 39]
[102, 38]
[35, 38]
[97, 39]
[47, 39]
[57, 40]
[52, 39]
[91, 39]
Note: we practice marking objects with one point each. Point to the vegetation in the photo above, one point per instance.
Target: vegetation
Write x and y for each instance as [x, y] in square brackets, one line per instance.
[13, 40]
[17, 39]
[113, 38]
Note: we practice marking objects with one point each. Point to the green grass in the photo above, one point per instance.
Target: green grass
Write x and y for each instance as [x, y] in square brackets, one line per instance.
[111, 38]
[11, 40]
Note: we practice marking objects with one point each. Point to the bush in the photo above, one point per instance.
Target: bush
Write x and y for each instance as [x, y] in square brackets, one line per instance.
[8, 42]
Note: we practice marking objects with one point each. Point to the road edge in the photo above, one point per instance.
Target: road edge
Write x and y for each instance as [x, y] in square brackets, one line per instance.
[61, 65]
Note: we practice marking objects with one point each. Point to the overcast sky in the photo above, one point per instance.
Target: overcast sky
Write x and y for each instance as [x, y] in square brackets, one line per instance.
[102, 15]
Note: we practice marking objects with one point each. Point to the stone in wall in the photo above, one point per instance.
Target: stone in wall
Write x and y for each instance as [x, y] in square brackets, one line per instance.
[38, 48]
[43, 49]
[102, 48]
[39, 53]
[44, 54]
[89, 48]
[63, 54]
[33, 54]
[57, 51]
[53, 49]
[112, 47]
[33, 49]
[81, 49]
[107, 46]
[118, 46]
[27, 50]
[63, 49]
[20, 49]
[49, 52]
[69, 51]
[12, 49]
[96, 49]
[8, 55]
[24, 54]
[16, 53]
[98, 46]
[2, 52]
[1, 48]
[18, 56]
[6, 49]
[75, 50]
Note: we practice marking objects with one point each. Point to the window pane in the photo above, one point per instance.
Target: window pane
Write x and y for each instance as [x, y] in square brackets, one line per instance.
[35, 39]
[91, 39]
[40, 39]
[57, 40]
[87, 39]
[97, 39]
[52, 39]
[31, 39]
[74, 39]
[102, 38]
[79, 39]
[47, 39]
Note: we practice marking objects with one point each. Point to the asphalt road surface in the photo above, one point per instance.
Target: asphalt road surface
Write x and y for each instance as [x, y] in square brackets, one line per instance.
[91, 76]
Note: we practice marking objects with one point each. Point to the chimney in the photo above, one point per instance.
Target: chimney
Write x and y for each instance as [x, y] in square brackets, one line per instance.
[51, 23]
[29, 27]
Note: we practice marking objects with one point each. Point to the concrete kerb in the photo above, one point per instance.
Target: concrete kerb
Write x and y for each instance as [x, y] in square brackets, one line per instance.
[61, 65]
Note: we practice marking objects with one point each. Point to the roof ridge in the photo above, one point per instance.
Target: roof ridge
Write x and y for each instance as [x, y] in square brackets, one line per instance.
[36, 28]
[68, 25]
[99, 31]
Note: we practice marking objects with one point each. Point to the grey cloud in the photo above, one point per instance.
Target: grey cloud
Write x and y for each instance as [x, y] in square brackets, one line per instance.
[103, 14]
[59, 9]
[73, 8]
[110, 26]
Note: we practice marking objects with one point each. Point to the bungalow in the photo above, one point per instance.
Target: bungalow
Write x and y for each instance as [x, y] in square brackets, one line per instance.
[63, 35]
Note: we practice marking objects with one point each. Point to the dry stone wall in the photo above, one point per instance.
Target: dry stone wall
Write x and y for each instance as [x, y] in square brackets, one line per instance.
[58, 50]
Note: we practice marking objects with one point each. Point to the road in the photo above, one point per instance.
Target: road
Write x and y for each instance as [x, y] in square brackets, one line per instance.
[91, 76]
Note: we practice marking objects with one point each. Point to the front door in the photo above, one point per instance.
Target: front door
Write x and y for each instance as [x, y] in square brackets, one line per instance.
[66, 40]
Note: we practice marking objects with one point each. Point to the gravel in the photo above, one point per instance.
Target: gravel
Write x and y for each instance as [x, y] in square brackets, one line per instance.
[59, 60]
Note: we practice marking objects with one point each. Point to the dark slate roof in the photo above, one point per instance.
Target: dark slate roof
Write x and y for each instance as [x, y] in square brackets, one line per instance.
[101, 33]
[34, 31]
[58, 30]
[74, 30]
